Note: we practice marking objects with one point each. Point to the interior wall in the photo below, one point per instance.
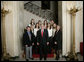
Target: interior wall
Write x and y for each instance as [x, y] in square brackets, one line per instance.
[64, 49]
[60, 13]
[28, 16]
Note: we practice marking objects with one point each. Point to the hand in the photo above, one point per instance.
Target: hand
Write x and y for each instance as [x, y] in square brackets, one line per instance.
[26, 45]
[55, 42]
[47, 43]
[37, 43]
[32, 43]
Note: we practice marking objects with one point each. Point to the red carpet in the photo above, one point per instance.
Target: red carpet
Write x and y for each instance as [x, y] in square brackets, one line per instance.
[49, 55]
[37, 55]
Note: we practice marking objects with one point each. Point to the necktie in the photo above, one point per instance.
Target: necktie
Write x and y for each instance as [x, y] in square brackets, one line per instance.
[42, 33]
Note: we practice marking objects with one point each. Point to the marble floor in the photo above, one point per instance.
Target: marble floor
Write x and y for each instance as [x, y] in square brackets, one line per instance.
[80, 58]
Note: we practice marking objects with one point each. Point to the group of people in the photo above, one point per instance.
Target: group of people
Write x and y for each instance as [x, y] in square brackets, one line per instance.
[41, 38]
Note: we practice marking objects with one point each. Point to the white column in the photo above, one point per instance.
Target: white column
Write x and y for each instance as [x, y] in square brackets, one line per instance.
[9, 28]
[18, 26]
[14, 27]
[64, 28]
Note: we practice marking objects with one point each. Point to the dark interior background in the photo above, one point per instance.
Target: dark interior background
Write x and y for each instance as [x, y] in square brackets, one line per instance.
[46, 5]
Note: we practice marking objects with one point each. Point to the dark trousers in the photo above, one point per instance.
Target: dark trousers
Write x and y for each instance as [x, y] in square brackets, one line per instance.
[43, 51]
[48, 49]
[56, 51]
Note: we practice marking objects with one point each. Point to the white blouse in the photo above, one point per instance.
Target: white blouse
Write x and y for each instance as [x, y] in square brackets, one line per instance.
[35, 31]
[53, 32]
[49, 32]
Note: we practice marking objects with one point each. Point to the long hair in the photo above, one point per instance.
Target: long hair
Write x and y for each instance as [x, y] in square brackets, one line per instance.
[47, 25]
[44, 22]
[36, 25]
[31, 21]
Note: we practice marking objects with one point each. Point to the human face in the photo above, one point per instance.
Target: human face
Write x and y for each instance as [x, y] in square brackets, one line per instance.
[52, 21]
[28, 28]
[39, 22]
[37, 25]
[42, 26]
[54, 25]
[45, 21]
[58, 27]
[48, 24]
[32, 20]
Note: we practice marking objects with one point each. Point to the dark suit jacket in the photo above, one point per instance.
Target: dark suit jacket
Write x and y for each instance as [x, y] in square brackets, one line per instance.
[42, 40]
[26, 39]
[58, 38]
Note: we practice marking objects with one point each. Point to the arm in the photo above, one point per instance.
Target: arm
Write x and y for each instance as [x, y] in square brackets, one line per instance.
[60, 37]
[24, 39]
[55, 39]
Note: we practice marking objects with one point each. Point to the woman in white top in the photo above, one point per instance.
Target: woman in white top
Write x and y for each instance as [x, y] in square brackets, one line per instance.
[50, 37]
[49, 30]
[35, 33]
[36, 29]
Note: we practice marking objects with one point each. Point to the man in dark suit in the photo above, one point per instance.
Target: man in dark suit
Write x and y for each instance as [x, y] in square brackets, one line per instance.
[28, 38]
[42, 37]
[58, 42]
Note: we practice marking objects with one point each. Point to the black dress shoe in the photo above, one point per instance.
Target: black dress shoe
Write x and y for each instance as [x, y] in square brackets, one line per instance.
[44, 58]
[40, 58]
[57, 58]
[32, 58]
[27, 59]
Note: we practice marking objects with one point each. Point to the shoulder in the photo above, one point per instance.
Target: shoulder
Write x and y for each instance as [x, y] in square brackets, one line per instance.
[25, 33]
[60, 31]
